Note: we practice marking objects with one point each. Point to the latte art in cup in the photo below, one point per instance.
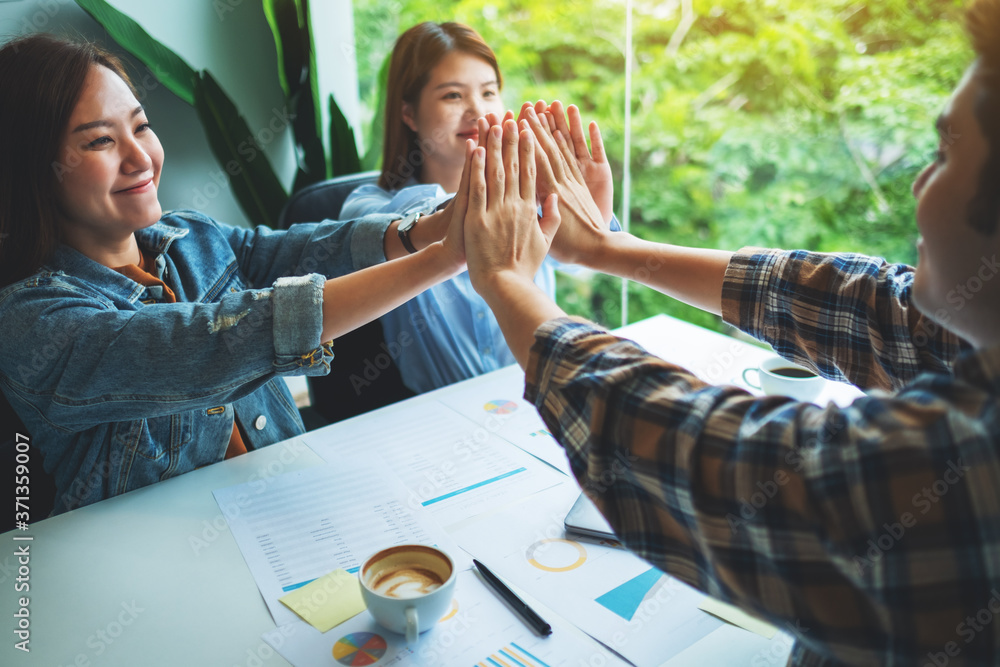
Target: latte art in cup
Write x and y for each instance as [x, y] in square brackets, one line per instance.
[406, 582]
[408, 587]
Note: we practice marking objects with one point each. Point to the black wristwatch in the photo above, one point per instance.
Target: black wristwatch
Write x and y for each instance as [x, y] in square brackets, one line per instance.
[405, 225]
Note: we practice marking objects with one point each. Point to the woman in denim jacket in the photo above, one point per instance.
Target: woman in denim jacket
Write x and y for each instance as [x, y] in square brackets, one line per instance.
[136, 345]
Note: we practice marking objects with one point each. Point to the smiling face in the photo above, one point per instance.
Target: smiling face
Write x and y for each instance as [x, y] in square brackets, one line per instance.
[460, 89]
[956, 281]
[108, 167]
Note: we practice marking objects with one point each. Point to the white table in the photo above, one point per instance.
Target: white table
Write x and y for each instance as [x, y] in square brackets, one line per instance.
[153, 577]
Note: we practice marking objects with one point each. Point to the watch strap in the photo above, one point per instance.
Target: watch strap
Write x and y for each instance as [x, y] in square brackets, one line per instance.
[403, 231]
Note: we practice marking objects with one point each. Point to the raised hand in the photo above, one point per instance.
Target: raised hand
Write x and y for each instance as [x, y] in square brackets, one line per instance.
[457, 209]
[438, 226]
[503, 236]
[583, 227]
[488, 121]
[593, 162]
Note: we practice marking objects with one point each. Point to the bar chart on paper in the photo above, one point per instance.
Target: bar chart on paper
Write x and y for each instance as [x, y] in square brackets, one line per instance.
[457, 640]
[451, 465]
[513, 654]
[608, 592]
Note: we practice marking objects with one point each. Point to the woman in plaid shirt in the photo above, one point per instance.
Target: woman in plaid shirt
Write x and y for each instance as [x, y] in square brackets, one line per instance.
[879, 543]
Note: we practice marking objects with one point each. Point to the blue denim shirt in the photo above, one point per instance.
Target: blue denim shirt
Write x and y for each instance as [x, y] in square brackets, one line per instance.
[119, 391]
[446, 333]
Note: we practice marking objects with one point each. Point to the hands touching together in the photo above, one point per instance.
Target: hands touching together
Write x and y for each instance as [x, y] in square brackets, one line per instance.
[505, 240]
[581, 179]
[592, 163]
[493, 224]
[562, 165]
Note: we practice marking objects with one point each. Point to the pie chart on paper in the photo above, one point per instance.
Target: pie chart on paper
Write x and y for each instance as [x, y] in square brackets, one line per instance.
[359, 648]
[556, 555]
[500, 407]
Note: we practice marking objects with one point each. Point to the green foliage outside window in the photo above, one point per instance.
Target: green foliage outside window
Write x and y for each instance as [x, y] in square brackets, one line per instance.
[779, 123]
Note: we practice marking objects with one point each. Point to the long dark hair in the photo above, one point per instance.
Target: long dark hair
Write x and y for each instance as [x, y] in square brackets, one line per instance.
[416, 53]
[41, 79]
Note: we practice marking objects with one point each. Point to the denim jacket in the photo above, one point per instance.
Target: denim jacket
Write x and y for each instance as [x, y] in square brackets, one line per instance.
[119, 391]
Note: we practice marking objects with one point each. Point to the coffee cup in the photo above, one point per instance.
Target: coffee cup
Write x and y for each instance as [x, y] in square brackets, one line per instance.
[408, 587]
[780, 377]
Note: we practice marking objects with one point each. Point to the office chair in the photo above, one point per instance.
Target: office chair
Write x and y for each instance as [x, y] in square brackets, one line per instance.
[322, 201]
[358, 354]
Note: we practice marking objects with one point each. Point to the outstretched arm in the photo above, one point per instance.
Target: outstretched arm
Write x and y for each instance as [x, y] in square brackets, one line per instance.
[592, 162]
[691, 275]
[505, 241]
[434, 226]
[352, 300]
[792, 300]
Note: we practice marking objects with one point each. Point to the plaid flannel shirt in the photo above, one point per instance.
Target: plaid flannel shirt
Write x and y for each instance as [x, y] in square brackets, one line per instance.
[871, 533]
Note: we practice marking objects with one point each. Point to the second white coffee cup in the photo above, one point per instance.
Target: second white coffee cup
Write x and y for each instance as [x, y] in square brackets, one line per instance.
[780, 377]
[408, 587]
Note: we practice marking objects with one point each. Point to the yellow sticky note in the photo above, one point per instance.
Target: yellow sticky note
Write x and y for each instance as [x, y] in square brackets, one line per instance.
[737, 617]
[327, 601]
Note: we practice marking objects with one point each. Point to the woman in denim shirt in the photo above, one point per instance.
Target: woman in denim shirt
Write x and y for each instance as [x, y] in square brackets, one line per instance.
[138, 346]
[442, 78]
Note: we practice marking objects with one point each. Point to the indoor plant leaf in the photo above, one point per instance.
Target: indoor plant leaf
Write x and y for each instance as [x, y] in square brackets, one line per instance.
[343, 150]
[169, 68]
[251, 176]
[288, 27]
[289, 22]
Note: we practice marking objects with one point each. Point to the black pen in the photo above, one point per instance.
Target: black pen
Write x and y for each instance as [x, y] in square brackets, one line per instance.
[526, 612]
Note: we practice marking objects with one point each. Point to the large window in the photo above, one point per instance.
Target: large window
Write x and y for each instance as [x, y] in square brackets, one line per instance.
[784, 123]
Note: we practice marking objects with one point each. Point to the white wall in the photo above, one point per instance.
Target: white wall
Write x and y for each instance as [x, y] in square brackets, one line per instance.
[232, 40]
[333, 34]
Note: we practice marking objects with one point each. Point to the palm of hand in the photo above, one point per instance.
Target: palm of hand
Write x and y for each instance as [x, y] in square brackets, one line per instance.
[563, 170]
[588, 164]
[572, 241]
[454, 239]
[597, 177]
[504, 236]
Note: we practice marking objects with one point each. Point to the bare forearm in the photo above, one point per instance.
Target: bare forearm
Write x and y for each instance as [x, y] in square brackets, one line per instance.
[429, 229]
[691, 275]
[357, 298]
[520, 308]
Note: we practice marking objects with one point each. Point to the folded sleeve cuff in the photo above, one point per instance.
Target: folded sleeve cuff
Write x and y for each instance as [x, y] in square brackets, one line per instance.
[553, 340]
[367, 247]
[748, 289]
[298, 326]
